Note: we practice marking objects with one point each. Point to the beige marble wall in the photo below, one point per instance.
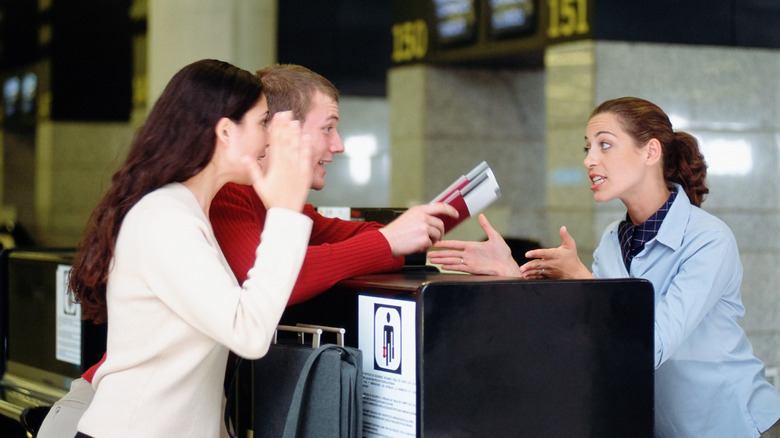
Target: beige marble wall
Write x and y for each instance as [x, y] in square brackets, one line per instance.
[242, 32]
[444, 121]
[569, 80]
[73, 167]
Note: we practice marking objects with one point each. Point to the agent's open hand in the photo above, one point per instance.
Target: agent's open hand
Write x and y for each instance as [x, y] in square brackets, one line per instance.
[284, 178]
[417, 228]
[491, 257]
[557, 263]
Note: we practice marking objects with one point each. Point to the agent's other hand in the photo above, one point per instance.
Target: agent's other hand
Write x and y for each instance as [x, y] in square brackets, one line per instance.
[557, 263]
[284, 178]
[416, 229]
[491, 257]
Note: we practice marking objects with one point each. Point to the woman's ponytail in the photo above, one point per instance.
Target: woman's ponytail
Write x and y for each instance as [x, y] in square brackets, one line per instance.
[684, 164]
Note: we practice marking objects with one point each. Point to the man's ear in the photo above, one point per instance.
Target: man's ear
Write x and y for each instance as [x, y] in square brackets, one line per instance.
[654, 151]
[222, 129]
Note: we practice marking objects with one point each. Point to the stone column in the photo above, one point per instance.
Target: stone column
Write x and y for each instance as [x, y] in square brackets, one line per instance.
[445, 120]
[242, 32]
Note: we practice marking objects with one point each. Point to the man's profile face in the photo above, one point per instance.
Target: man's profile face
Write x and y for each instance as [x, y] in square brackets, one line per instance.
[321, 124]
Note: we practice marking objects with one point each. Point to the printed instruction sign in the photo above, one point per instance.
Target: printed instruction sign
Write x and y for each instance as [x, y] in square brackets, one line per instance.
[68, 320]
[387, 339]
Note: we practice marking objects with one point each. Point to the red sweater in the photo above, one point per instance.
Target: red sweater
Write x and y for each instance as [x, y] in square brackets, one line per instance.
[338, 249]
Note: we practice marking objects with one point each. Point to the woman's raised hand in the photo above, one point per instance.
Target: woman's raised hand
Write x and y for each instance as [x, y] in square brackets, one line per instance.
[557, 263]
[283, 178]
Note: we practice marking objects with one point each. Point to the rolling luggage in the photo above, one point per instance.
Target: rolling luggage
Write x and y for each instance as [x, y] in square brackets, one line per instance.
[299, 390]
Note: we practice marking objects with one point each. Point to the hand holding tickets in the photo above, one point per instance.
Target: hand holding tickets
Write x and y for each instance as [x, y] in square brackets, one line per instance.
[469, 194]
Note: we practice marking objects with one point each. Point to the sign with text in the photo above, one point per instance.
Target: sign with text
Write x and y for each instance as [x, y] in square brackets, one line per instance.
[68, 320]
[387, 339]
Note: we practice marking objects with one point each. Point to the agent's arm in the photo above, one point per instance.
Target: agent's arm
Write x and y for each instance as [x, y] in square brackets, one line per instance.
[491, 257]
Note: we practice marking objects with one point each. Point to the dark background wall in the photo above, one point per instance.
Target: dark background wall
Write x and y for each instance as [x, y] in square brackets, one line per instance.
[747, 23]
[346, 41]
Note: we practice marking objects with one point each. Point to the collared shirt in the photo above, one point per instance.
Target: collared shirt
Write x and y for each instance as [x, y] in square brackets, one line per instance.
[633, 237]
[708, 383]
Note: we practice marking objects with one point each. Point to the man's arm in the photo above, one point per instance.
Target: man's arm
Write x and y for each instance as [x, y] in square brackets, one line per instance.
[338, 249]
[343, 249]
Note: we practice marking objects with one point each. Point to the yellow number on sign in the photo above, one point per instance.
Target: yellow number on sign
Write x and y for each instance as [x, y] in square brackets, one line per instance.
[567, 18]
[582, 18]
[410, 41]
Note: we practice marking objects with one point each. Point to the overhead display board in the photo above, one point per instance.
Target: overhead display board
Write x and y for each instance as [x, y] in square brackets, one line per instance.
[484, 31]
[515, 32]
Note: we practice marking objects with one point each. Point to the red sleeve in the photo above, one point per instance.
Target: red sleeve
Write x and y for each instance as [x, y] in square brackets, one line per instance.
[237, 219]
[338, 249]
[90, 373]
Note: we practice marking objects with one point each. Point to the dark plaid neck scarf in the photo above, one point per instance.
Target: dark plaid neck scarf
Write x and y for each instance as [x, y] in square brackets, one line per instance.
[633, 237]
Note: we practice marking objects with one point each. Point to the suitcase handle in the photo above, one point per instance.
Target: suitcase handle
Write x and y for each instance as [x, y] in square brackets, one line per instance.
[315, 330]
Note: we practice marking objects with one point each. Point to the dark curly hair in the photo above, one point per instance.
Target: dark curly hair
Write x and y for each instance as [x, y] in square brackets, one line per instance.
[176, 141]
[683, 162]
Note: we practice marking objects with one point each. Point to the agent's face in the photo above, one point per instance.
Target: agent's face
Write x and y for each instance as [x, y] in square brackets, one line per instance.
[249, 137]
[616, 166]
[321, 124]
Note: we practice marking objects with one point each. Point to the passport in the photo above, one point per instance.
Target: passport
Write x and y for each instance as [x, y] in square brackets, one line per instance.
[470, 194]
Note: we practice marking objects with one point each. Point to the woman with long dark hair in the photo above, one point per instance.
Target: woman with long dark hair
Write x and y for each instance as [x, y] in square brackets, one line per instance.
[708, 383]
[149, 263]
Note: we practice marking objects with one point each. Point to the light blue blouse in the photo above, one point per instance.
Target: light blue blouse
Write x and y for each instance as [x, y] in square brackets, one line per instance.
[708, 383]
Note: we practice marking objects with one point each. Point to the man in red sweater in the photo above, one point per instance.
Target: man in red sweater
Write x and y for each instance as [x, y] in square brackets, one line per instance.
[338, 248]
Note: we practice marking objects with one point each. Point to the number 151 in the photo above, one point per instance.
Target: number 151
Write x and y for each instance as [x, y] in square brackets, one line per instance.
[567, 18]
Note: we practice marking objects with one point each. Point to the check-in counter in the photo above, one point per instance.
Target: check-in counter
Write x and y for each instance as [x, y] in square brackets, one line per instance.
[466, 356]
[45, 343]
[443, 354]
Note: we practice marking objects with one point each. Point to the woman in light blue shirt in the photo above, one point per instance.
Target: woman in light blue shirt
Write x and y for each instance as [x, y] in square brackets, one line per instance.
[708, 382]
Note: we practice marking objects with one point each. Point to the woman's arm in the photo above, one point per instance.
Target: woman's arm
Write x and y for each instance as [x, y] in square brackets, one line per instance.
[180, 264]
[491, 257]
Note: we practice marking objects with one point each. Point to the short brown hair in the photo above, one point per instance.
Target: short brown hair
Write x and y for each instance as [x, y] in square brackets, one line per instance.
[291, 87]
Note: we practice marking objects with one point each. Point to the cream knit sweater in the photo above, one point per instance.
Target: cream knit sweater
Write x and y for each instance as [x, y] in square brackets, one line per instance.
[174, 311]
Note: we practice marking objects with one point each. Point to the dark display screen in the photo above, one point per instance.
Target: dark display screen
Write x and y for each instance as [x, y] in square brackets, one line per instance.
[512, 17]
[456, 21]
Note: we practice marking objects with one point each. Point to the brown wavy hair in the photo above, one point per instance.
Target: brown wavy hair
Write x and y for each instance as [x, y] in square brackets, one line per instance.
[683, 162]
[176, 142]
[291, 87]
